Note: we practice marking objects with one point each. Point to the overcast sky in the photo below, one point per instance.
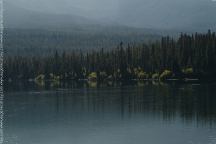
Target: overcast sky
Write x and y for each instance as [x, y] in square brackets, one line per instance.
[60, 6]
[140, 13]
[82, 4]
[89, 4]
[87, 8]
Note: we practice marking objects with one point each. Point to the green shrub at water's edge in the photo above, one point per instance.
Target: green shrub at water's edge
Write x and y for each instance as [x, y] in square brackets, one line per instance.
[142, 75]
[40, 77]
[188, 71]
[165, 75]
[155, 76]
[54, 77]
[92, 76]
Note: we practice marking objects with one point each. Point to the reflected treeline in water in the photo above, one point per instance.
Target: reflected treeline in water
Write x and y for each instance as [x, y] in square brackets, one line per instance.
[190, 103]
[52, 85]
[1, 114]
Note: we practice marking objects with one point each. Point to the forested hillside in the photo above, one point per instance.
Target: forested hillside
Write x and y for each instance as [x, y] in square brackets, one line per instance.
[190, 56]
[44, 42]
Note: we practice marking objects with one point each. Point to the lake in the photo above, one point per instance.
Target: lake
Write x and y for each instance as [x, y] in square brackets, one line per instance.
[143, 113]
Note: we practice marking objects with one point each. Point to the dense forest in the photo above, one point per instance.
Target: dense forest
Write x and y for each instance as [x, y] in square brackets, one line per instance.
[32, 41]
[188, 57]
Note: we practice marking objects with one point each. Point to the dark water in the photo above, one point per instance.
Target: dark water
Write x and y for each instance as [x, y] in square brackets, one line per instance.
[130, 114]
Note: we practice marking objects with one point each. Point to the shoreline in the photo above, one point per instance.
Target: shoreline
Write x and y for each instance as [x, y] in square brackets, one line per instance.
[104, 81]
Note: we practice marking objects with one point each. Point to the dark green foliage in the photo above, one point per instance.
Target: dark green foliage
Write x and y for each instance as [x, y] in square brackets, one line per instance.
[190, 56]
[42, 42]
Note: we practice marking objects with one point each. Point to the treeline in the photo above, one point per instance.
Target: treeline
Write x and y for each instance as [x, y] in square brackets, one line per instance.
[41, 42]
[190, 56]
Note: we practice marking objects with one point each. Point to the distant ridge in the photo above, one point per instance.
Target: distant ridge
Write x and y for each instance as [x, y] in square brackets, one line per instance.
[16, 17]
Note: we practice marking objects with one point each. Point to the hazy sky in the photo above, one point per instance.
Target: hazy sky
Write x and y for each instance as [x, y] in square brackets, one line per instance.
[138, 13]
[112, 6]
[87, 8]
[82, 4]
[92, 4]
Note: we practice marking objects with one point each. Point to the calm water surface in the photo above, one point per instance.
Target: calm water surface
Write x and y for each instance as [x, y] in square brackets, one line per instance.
[130, 114]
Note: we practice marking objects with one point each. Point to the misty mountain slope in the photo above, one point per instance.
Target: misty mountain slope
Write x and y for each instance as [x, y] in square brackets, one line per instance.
[15, 17]
[33, 42]
[180, 15]
[169, 14]
[20, 18]
[31, 32]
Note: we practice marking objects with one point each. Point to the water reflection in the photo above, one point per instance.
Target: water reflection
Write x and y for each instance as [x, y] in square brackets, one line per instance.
[1, 115]
[115, 114]
[190, 102]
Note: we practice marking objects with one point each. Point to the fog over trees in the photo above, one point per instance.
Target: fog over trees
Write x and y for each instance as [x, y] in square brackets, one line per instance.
[191, 56]
[120, 39]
